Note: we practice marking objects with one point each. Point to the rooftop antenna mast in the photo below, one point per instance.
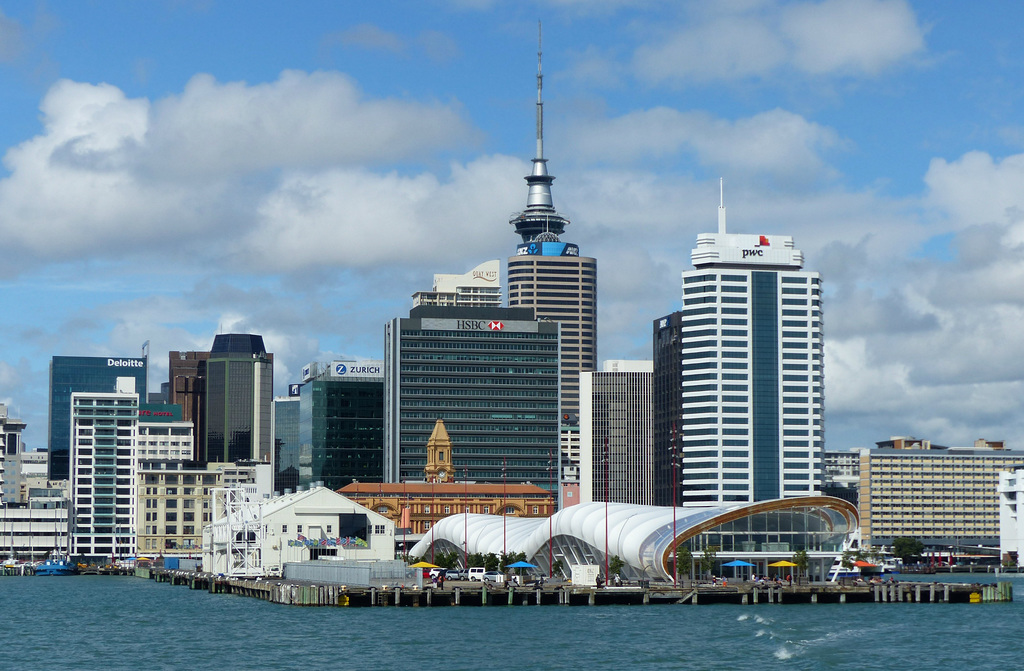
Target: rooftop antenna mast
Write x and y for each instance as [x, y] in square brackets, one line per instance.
[721, 206]
[540, 102]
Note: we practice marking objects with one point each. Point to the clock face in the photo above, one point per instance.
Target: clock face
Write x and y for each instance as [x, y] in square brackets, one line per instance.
[441, 473]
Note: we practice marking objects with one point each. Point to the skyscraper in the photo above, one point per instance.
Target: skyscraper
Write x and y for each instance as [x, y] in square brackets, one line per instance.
[239, 393]
[551, 277]
[491, 374]
[749, 413]
[616, 460]
[69, 374]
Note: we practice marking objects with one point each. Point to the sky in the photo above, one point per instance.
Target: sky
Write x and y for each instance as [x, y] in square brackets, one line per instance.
[176, 169]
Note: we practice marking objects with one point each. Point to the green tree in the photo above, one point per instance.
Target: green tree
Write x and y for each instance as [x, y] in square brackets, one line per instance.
[684, 559]
[849, 557]
[556, 567]
[491, 561]
[510, 558]
[801, 560]
[707, 560]
[906, 548]
[615, 565]
[476, 559]
[448, 559]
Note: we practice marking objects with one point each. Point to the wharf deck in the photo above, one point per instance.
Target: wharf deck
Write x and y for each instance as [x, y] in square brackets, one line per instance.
[297, 593]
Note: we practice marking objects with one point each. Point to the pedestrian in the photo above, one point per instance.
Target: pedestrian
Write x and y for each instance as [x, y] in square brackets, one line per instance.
[440, 580]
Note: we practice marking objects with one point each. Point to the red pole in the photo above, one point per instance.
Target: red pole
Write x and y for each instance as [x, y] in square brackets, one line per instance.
[465, 531]
[432, 506]
[607, 496]
[675, 557]
[551, 511]
[504, 505]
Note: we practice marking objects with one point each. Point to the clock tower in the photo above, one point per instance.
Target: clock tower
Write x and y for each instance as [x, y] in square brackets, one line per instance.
[439, 455]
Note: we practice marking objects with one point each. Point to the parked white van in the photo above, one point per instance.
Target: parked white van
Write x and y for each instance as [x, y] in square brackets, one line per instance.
[477, 573]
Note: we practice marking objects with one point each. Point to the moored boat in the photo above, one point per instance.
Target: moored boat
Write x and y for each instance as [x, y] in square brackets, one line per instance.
[56, 564]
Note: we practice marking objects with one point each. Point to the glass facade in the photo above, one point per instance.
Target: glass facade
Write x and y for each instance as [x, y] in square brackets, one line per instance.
[69, 374]
[764, 383]
[239, 392]
[286, 444]
[341, 432]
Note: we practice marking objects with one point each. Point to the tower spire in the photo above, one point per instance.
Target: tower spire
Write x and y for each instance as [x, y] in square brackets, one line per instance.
[540, 101]
[721, 206]
[539, 215]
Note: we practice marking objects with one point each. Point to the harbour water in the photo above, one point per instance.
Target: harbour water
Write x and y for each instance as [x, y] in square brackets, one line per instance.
[110, 622]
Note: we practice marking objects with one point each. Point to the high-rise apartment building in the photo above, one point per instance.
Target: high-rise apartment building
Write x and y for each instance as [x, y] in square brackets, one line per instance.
[480, 287]
[69, 374]
[749, 405]
[491, 374]
[104, 462]
[946, 497]
[10, 455]
[616, 451]
[551, 277]
[239, 393]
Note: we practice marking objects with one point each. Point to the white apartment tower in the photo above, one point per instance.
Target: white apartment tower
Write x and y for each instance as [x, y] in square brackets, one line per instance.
[480, 287]
[751, 421]
[104, 432]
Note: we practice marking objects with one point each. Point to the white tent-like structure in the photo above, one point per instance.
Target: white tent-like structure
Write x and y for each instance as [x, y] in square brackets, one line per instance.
[642, 536]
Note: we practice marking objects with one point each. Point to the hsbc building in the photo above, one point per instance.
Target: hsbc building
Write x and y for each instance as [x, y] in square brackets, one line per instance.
[492, 375]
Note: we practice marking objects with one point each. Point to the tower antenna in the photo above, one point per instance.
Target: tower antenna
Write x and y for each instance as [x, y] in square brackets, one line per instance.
[721, 206]
[540, 102]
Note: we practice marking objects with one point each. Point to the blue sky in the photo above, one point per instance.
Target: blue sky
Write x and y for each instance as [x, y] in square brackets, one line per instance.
[172, 170]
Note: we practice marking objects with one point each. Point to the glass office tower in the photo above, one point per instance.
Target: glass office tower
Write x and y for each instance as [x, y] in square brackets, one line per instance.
[239, 393]
[92, 374]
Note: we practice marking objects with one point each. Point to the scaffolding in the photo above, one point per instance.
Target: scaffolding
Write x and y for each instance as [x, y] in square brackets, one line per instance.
[238, 528]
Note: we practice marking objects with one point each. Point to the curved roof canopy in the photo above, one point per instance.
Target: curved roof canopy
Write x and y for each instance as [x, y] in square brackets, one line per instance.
[642, 536]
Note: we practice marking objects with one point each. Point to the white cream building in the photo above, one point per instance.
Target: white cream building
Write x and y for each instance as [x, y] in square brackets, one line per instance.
[254, 538]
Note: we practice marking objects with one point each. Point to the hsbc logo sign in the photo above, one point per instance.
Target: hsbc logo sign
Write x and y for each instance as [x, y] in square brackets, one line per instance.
[479, 325]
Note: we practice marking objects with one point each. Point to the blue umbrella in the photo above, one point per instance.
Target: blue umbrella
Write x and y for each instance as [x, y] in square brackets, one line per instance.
[521, 564]
[737, 562]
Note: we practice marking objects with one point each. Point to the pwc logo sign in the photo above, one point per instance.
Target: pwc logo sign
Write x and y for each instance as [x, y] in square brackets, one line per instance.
[757, 251]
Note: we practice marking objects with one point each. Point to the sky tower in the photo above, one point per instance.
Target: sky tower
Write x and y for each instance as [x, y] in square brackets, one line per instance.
[550, 276]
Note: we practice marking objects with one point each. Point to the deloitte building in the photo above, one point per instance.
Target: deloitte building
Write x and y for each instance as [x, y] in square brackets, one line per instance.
[86, 374]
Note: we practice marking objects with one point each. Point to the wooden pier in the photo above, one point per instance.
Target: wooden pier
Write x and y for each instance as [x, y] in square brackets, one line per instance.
[294, 593]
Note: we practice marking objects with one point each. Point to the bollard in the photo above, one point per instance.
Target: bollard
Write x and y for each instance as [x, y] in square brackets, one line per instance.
[931, 593]
[842, 598]
[917, 593]
[458, 596]
[592, 599]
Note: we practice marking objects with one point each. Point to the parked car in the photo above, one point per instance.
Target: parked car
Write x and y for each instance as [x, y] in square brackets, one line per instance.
[454, 574]
[477, 572]
[494, 576]
[436, 572]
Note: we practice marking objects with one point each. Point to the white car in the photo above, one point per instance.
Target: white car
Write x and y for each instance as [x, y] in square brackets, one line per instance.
[494, 576]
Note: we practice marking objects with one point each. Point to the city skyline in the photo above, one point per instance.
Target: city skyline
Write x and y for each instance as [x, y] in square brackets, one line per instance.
[188, 169]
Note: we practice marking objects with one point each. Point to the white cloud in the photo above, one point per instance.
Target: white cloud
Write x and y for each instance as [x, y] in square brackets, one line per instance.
[743, 40]
[110, 174]
[777, 143]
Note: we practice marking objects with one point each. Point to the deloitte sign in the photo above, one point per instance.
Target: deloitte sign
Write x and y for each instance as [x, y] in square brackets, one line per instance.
[126, 363]
[357, 369]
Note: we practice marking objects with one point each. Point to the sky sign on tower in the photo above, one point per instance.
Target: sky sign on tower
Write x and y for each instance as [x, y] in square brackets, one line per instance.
[368, 368]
